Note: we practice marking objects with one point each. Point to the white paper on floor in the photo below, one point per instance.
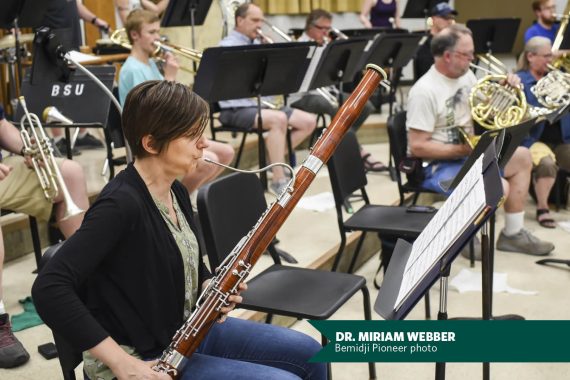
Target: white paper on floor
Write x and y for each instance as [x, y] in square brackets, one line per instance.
[467, 281]
[565, 225]
[318, 202]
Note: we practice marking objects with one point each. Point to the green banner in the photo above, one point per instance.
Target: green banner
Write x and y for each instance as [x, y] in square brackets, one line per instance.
[444, 341]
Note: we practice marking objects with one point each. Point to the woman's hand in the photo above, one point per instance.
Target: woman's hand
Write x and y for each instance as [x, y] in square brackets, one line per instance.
[233, 300]
[134, 368]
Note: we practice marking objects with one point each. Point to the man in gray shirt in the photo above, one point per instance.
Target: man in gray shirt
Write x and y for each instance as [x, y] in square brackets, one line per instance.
[243, 112]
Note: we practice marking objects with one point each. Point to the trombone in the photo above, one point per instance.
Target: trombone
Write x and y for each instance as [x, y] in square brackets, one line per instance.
[38, 147]
[119, 37]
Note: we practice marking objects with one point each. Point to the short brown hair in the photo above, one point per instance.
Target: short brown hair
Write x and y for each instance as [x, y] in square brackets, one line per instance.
[315, 15]
[165, 110]
[537, 4]
[136, 19]
[241, 11]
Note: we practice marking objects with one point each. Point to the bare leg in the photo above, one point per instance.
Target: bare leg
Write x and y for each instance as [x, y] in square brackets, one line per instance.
[518, 173]
[542, 187]
[303, 124]
[275, 122]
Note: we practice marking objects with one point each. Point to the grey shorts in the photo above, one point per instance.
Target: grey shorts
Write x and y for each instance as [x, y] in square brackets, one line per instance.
[244, 117]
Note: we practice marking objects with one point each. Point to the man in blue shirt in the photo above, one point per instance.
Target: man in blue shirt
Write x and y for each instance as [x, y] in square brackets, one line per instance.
[243, 112]
[549, 144]
[545, 25]
[143, 31]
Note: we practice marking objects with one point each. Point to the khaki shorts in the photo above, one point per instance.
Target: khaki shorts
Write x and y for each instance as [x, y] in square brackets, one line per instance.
[539, 150]
[20, 191]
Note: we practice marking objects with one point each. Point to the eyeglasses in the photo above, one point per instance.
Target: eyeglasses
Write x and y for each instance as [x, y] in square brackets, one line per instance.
[550, 8]
[547, 55]
[322, 28]
[468, 55]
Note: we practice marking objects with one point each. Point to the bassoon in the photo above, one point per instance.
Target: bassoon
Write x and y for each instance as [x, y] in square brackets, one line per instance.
[238, 264]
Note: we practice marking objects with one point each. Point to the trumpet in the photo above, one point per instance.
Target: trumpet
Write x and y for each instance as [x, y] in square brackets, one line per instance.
[119, 37]
[38, 147]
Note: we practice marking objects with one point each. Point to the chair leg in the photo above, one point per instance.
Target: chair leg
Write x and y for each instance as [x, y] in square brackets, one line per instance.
[368, 317]
[240, 150]
[36, 240]
[290, 150]
[324, 342]
[428, 308]
[356, 252]
[269, 318]
[340, 251]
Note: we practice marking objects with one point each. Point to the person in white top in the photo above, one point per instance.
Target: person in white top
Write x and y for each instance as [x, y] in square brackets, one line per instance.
[124, 7]
[437, 105]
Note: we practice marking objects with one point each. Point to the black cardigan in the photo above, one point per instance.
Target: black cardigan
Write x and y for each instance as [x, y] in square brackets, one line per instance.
[120, 275]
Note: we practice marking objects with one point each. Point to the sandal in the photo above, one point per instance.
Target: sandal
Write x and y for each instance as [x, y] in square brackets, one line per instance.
[546, 221]
[371, 165]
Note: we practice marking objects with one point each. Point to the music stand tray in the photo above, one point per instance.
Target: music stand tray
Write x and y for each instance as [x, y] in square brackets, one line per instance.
[420, 8]
[465, 211]
[338, 63]
[264, 70]
[494, 35]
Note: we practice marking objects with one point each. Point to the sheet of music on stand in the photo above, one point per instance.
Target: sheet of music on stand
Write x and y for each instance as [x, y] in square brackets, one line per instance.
[461, 209]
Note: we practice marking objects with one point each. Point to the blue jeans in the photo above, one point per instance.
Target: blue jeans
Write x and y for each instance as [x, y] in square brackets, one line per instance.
[440, 174]
[239, 349]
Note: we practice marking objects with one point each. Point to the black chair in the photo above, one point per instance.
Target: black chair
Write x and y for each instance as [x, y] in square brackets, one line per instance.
[114, 137]
[215, 109]
[69, 358]
[228, 208]
[398, 139]
[348, 176]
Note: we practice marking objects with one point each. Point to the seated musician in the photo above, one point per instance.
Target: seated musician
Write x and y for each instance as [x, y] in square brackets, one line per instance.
[127, 280]
[545, 24]
[441, 16]
[317, 28]
[243, 112]
[549, 144]
[437, 105]
[20, 191]
[142, 29]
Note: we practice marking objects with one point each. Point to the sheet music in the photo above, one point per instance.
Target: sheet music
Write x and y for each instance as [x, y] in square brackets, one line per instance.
[311, 69]
[461, 209]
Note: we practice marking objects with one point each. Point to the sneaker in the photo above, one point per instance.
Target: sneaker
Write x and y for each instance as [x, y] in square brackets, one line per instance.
[88, 142]
[524, 242]
[12, 353]
[279, 186]
[465, 252]
[61, 147]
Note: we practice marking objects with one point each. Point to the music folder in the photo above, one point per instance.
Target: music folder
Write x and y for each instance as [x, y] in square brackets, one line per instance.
[414, 268]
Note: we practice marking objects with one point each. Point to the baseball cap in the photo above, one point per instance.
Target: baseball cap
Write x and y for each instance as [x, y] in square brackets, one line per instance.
[443, 9]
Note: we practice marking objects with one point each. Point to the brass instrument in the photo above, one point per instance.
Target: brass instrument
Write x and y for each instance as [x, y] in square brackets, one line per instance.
[494, 105]
[38, 148]
[52, 115]
[562, 62]
[228, 8]
[553, 90]
[119, 37]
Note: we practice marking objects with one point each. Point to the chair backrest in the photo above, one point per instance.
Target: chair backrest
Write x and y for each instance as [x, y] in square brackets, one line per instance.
[114, 126]
[346, 169]
[398, 137]
[228, 208]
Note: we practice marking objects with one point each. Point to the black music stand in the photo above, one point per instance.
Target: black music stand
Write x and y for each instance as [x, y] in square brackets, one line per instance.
[389, 303]
[339, 63]
[394, 51]
[186, 13]
[494, 35]
[370, 33]
[264, 70]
